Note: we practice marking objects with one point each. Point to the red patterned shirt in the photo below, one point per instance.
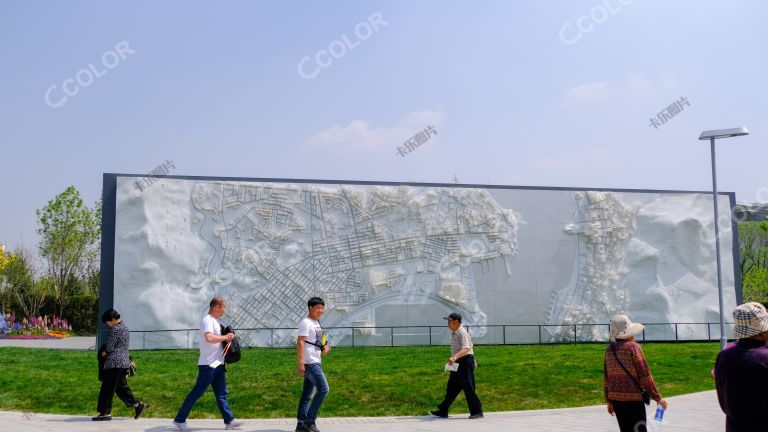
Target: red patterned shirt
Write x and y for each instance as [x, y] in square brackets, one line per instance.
[618, 386]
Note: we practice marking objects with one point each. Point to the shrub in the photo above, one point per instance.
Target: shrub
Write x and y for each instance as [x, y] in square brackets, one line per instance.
[82, 313]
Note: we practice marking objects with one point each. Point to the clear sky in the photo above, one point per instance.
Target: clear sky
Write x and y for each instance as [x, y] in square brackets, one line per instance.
[544, 93]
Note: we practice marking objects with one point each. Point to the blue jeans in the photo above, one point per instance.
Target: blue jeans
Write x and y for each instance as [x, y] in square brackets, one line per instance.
[217, 379]
[314, 379]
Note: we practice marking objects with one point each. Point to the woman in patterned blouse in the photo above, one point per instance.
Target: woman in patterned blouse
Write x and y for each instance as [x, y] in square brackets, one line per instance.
[622, 394]
[116, 364]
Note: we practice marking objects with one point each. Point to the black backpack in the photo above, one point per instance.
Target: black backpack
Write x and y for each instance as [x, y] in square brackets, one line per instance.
[233, 353]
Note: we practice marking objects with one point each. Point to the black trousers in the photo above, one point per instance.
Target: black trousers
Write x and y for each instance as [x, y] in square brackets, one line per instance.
[462, 380]
[113, 381]
[630, 415]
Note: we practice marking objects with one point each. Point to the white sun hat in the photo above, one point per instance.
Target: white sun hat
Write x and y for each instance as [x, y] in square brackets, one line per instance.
[622, 327]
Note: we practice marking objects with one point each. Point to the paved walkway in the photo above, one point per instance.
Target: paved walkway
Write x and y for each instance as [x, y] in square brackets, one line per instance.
[694, 412]
[74, 342]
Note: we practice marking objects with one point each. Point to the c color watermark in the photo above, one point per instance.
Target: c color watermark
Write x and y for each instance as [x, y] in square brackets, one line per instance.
[340, 47]
[88, 75]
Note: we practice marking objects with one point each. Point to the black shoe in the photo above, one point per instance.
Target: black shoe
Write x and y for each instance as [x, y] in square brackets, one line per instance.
[139, 409]
[301, 427]
[102, 417]
[438, 413]
[312, 427]
[476, 416]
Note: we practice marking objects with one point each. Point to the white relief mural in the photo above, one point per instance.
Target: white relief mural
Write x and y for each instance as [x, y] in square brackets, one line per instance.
[403, 256]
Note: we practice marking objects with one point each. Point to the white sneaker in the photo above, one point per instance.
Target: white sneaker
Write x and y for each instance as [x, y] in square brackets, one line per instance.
[234, 424]
[181, 426]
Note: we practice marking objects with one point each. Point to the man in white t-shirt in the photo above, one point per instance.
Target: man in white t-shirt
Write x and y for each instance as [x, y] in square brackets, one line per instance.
[310, 345]
[210, 368]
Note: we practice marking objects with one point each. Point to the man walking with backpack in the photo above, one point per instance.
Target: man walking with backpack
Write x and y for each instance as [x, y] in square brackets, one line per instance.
[309, 346]
[210, 368]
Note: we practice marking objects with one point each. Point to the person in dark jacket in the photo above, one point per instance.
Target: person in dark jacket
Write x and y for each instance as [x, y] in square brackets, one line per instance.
[741, 372]
[115, 369]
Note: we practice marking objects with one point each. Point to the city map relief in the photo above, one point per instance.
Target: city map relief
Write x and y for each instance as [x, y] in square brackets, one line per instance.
[271, 246]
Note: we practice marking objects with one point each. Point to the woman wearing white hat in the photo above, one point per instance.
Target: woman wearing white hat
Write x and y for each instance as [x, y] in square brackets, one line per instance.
[628, 382]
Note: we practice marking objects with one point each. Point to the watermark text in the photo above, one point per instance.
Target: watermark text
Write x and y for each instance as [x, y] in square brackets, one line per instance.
[417, 140]
[56, 97]
[144, 183]
[571, 34]
[667, 113]
[310, 67]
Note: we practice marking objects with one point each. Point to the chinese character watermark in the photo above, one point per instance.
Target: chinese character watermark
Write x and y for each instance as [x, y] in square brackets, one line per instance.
[145, 182]
[667, 113]
[417, 140]
[88, 75]
[339, 47]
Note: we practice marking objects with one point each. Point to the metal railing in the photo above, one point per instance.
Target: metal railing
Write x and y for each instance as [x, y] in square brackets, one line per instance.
[497, 334]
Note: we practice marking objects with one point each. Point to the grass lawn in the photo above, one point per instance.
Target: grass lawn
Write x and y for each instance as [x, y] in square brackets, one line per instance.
[364, 381]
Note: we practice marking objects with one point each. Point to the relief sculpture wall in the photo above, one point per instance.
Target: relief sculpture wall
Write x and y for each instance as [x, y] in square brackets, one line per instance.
[406, 255]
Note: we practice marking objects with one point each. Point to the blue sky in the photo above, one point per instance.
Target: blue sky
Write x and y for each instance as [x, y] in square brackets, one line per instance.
[518, 93]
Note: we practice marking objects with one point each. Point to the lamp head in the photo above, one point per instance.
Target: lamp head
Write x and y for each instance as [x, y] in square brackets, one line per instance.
[723, 133]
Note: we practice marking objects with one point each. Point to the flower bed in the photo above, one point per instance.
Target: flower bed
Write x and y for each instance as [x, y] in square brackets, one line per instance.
[23, 337]
[35, 328]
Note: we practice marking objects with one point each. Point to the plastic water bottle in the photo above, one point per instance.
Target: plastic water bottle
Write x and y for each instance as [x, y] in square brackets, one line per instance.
[659, 414]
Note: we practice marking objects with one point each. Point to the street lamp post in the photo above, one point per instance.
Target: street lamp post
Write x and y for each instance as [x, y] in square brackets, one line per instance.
[712, 135]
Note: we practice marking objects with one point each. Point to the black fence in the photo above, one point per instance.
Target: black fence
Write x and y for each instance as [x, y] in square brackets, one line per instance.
[507, 334]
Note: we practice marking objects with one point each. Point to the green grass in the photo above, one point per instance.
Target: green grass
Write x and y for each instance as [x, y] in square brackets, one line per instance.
[363, 381]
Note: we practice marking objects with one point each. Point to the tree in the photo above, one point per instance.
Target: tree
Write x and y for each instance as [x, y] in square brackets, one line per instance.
[20, 275]
[68, 231]
[5, 287]
[756, 285]
[4, 258]
[90, 275]
[753, 246]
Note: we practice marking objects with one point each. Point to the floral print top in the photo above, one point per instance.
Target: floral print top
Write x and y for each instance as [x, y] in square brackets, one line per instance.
[117, 347]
